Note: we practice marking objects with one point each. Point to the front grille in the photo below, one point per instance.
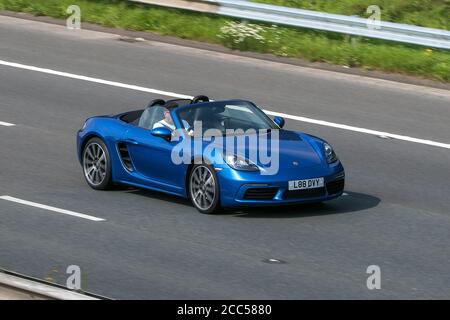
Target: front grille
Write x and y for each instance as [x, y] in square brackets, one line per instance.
[260, 193]
[336, 186]
[306, 193]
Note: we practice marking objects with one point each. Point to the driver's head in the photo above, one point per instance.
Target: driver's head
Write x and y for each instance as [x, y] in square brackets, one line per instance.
[168, 117]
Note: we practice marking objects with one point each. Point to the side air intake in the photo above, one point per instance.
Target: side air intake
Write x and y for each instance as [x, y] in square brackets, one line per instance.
[125, 156]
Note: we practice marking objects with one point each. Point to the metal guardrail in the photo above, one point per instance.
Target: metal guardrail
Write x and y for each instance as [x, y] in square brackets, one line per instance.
[320, 21]
[16, 286]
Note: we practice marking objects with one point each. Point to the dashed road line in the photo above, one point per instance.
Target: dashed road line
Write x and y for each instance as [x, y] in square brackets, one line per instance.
[6, 124]
[53, 209]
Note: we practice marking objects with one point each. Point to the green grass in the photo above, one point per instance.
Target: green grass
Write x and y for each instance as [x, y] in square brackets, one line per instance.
[283, 41]
[426, 13]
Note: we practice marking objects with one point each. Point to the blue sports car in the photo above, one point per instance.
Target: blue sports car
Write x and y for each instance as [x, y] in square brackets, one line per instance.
[216, 153]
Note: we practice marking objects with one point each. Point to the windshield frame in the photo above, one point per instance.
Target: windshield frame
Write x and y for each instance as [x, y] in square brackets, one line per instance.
[271, 125]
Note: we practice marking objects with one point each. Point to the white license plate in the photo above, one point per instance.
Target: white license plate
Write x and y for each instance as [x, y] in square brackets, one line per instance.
[306, 184]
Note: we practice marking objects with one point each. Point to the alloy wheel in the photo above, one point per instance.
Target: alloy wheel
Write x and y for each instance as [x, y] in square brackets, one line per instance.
[94, 164]
[203, 187]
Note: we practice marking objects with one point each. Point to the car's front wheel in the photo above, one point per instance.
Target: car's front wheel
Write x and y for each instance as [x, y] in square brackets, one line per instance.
[97, 164]
[204, 189]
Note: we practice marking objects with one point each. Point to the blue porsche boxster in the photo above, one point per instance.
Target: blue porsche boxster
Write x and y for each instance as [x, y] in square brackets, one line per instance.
[218, 154]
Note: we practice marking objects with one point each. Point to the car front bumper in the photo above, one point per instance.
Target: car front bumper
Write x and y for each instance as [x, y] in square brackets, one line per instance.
[241, 189]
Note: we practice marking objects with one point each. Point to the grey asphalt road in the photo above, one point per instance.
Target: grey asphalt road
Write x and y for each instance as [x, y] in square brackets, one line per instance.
[153, 246]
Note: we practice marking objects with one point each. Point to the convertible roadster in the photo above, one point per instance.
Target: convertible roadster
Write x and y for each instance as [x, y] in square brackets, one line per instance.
[218, 154]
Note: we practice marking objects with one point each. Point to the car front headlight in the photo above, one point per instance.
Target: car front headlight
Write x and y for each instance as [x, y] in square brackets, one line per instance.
[330, 155]
[240, 163]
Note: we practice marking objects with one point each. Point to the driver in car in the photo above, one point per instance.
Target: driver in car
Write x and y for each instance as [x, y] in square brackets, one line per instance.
[167, 122]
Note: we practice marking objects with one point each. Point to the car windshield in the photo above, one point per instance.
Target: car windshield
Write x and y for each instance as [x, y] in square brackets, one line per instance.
[226, 116]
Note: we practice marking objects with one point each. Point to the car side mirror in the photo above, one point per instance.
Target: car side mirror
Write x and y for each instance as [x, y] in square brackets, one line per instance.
[162, 132]
[279, 121]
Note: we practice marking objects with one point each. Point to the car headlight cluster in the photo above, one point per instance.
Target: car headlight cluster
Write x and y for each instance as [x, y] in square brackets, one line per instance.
[240, 163]
[329, 153]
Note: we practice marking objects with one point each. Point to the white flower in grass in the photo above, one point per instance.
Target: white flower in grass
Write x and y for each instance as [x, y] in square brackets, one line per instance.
[240, 31]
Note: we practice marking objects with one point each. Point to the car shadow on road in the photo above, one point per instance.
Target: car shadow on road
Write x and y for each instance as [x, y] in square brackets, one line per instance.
[351, 202]
[153, 195]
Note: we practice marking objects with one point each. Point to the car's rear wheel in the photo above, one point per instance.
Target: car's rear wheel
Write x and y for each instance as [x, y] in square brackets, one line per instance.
[97, 164]
[204, 189]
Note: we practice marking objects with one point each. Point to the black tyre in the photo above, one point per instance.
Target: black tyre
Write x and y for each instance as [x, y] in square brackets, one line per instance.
[204, 189]
[97, 164]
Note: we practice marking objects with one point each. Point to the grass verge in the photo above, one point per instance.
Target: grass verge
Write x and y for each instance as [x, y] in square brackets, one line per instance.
[283, 41]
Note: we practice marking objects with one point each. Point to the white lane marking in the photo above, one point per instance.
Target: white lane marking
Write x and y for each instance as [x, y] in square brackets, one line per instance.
[6, 124]
[357, 129]
[96, 80]
[42, 206]
[182, 96]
